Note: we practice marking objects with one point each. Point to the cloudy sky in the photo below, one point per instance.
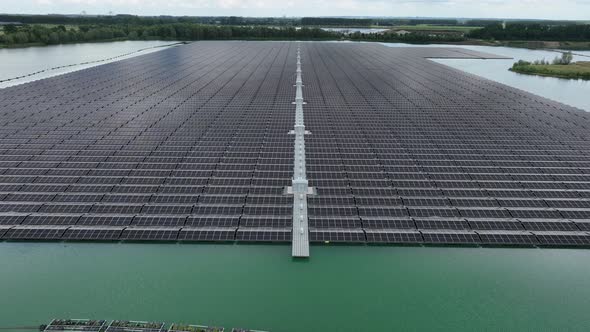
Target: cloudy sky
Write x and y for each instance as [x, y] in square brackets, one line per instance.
[548, 9]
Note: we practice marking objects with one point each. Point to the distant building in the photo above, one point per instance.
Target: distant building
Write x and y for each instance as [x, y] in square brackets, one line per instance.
[402, 32]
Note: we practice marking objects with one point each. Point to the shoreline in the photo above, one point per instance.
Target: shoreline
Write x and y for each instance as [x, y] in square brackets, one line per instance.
[548, 46]
[564, 77]
[574, 71]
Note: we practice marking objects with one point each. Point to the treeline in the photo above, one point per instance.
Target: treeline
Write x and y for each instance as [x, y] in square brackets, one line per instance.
[417, 21]
[334, 21]
[145, 20]
[362, 22]
[37, 34]
[411, 38]
[523, 31]
[239, 20]
[42, 35]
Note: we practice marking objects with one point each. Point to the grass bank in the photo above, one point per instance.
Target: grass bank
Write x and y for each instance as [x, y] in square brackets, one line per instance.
[576, 70]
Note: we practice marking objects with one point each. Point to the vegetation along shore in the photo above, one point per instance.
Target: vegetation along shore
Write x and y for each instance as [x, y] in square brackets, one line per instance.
[38, 30]
[561, 67]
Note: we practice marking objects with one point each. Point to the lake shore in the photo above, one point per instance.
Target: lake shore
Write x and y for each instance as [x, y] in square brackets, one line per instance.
[578, 70]
[531, 44]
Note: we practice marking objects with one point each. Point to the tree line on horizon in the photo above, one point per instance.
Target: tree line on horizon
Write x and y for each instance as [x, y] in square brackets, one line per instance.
[535, 31]
[39, 34]
[240, 20]
[45, 35]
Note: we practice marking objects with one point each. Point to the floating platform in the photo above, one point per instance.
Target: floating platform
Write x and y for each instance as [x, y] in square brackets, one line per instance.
[88, 325]
[192, 144]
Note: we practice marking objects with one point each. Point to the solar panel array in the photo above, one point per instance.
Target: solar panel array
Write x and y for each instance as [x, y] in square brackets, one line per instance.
[186, 144]
[191, 144]
[406, 150]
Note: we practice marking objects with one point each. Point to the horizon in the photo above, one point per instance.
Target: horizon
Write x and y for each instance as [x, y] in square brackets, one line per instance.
[459, 18]
[574, 10]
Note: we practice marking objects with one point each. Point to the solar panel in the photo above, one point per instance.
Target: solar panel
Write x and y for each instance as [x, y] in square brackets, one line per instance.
[150, 234]
[3, 230]
[51, 219]
[495, 224]
[159, 220]
[583, 225]
[563, 238]
[45, 233]
[93, 234]
[394, 236]
[207, 234]
[105, 220]
[436, 223]
[12, 219]
[334, 235]
[507, 238]
[450, 237]
[263, 235]
[384, 223]
[548, 225]
[266, 221]
[334, 222]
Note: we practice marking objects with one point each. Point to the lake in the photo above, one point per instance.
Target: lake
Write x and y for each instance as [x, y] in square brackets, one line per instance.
[341, 288]
[353, 30]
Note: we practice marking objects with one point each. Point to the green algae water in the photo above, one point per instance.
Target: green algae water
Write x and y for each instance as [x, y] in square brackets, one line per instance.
[340, 288]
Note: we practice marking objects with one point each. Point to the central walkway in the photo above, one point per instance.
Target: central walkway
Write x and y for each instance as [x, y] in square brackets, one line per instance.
[299, 187]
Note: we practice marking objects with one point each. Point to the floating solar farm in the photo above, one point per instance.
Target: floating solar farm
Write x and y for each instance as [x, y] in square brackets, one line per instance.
[249, 142]
[88, 325]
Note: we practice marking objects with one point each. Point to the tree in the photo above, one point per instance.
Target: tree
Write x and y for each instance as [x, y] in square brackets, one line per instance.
[21, 38]
[566, 58]
[10, 28]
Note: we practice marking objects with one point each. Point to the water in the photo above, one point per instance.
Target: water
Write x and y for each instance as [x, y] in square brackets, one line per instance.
[15, 62]
[353, 30]
[341, 288]
[571, 92]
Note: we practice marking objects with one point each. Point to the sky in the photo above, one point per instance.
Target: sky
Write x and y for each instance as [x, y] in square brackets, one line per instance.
[541, 9]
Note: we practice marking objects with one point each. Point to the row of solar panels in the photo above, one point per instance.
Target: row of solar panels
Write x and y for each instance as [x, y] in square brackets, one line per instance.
[144, 193]
[276, 221]
[281, 210]
[543, 238]
[352, 139]
[335, 197]
[270, 155]
[354, 172]
[178, 185]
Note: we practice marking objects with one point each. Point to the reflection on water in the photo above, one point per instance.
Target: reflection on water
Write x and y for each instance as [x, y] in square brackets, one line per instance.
[571, 92]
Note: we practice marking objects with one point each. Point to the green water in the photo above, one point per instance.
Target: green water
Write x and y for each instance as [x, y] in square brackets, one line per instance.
[259, 286]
